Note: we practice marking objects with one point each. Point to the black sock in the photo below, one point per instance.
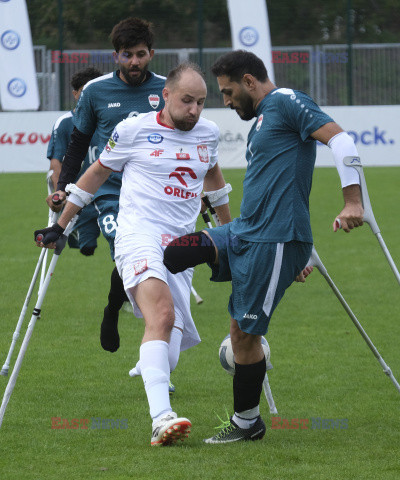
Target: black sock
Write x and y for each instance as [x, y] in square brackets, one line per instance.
[117, 295]
[109, 336]
[247, 385]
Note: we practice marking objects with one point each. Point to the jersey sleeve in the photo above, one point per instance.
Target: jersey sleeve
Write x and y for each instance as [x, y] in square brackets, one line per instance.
[119, 147]
[59, 141]
[85, 116]
[214, 146]
[301, 113]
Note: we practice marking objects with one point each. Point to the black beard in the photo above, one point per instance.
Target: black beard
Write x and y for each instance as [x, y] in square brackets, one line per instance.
[246, 108]
[131, 80]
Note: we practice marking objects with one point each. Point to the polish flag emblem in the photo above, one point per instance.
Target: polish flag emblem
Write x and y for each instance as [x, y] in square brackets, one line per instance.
[203, 153]
[154, 101]
[140, 266]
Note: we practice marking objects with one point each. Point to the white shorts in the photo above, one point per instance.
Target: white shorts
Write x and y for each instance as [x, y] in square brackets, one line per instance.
[139, 257]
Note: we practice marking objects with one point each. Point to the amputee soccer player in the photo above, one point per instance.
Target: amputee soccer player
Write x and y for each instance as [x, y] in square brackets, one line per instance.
[267, 247]
[165, 158]
[86, 227]
[104, 102]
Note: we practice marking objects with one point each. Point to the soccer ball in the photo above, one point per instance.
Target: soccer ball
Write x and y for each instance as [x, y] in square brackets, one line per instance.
[227, 358]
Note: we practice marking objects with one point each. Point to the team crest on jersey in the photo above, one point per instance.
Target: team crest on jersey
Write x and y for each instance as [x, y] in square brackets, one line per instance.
[154, 100]
[140, 266]
[203, 153]
[259, 122]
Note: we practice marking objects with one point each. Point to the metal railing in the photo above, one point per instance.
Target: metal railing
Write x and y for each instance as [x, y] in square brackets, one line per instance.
[320, 71]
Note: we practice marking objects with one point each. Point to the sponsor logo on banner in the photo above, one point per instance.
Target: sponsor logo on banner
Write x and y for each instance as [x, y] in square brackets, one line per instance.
[179, 172]
[10, 40]
[23, 138]
[140, 266]
[16, 87]
[248, 36]
[203, 153]
[259, 122]
[155, 138]
[154, 100]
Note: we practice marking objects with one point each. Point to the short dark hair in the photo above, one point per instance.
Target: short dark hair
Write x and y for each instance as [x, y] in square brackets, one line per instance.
[79, 79]
[175, 74]
[237, 63]
[130, 32]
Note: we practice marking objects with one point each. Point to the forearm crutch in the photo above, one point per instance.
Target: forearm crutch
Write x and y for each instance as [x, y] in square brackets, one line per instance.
[36, 312]
[315, 261]
[368, 213]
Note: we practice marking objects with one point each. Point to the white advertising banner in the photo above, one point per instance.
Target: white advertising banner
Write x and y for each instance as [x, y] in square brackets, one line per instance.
[374, 129]
[250, 30]
[18, 84]
[24, 137]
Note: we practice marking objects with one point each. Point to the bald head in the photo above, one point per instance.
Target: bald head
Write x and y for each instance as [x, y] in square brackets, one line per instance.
[184, 94]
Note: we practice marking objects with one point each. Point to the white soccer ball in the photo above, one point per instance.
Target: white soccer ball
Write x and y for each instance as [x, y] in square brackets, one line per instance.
[227, 359]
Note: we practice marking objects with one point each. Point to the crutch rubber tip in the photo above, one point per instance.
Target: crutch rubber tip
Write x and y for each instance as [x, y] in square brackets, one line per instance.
[198, 299]
[4, 372]
[56, 199]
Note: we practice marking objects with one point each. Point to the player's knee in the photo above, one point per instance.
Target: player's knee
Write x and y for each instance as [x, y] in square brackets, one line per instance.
[87, 251]
[188, 251]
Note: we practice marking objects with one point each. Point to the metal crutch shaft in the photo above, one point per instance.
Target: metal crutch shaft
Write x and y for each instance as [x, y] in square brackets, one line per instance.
[316, 262]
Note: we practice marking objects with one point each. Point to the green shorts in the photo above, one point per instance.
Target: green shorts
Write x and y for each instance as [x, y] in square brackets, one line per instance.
[260, 274]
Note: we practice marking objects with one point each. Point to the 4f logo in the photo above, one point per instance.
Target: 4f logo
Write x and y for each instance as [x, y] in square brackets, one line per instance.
[156, 153]
[180, 172]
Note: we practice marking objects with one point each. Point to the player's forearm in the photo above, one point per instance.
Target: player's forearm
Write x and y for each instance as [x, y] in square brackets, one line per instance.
[223, 213]
[76, 152]
[81, 193]
[93, 178]
[55, 165]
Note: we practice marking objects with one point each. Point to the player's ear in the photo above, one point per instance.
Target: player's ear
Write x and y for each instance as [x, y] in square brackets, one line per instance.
[151, 54]
[115, 57]
[165, 93]
[249, 81]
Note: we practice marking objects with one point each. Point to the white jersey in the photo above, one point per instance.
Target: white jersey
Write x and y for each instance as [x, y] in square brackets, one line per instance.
[163, 172]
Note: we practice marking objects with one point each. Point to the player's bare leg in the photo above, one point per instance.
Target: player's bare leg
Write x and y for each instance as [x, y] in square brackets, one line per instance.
[154, 299]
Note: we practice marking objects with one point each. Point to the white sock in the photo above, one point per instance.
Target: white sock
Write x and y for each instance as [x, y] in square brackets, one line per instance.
[247, 418]
[155, 373]
[174, 351]
[174, 347]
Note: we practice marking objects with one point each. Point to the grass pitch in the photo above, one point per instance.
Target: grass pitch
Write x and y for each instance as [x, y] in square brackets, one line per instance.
[322, 367]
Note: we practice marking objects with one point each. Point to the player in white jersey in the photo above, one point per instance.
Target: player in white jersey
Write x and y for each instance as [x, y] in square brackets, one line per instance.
[165, 159]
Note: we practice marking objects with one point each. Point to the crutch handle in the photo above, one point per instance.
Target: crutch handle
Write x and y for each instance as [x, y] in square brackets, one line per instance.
[56, 199]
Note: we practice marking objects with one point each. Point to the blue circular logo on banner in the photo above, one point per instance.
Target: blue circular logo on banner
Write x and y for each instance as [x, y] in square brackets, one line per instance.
[248, 36]
[10, 40]
[17, 87]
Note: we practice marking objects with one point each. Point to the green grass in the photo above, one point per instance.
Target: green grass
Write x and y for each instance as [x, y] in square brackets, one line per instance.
[322, 366]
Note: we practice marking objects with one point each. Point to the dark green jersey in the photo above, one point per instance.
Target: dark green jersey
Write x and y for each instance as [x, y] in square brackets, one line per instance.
[280, 155]
[60, 138]
[106, 101]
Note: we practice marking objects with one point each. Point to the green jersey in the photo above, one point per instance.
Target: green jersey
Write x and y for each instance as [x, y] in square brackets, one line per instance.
[281, 156]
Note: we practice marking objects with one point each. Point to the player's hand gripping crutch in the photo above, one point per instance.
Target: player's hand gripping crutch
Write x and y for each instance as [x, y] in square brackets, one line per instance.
[368, 213]
[315, 261]
[60, 244]
[266, 386]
